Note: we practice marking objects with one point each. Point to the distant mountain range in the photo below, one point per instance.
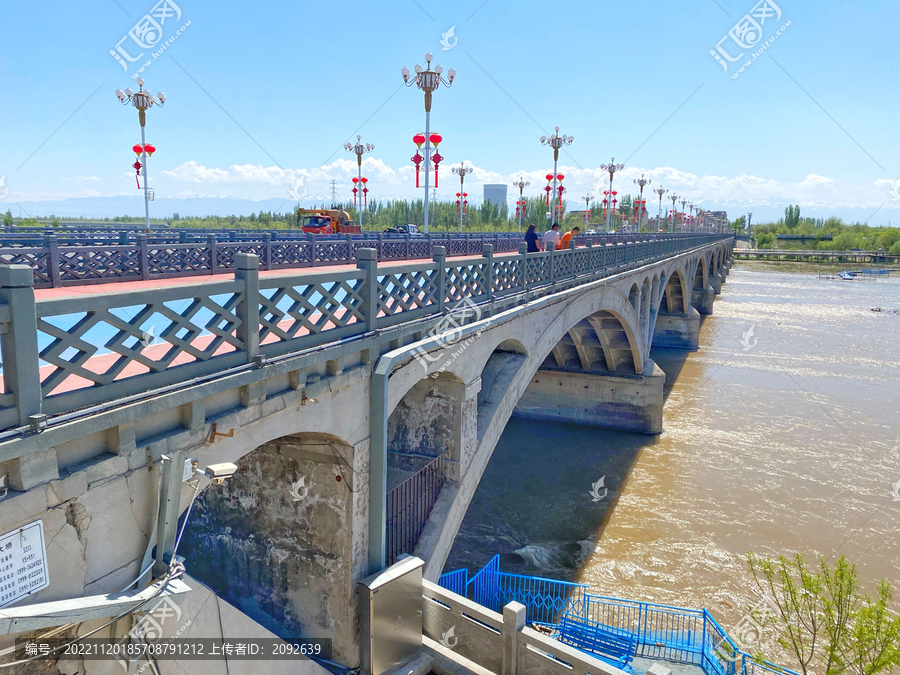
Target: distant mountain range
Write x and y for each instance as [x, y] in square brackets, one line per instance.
[165, 207]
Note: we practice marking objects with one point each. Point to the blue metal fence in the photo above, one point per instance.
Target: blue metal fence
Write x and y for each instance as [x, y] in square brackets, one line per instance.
[673, 634]
[456, 581]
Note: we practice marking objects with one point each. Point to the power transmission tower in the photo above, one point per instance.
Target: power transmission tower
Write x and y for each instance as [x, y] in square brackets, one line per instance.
[333, 193]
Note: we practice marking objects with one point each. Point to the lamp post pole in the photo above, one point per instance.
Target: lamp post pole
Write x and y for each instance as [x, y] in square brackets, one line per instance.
[612, 167]
[143, 101]
[587, 209]
[427, 80]
[521, 184]
[556, 142]
[462, 171]
[641, 182]
[360, 150]
[674, 198]
[660, 191]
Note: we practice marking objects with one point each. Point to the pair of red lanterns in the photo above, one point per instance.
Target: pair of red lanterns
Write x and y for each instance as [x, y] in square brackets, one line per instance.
[138, 150]
[465, 202]
[548, 189]
[417, 159]
[614, 201]
[364, 190]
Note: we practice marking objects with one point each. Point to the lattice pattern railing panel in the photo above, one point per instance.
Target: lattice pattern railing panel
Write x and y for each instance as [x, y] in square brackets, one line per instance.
[562, 264]
[405, 291]
[506, 275]
[178, 258]
[465, 281]
[332, 251]
[456, 247]
[291, 253]
[99, 263]
[393, 250]
[538, 269]
[419, 248]
[100, 346]
[298, 311]
[38, 259]
[582, 259]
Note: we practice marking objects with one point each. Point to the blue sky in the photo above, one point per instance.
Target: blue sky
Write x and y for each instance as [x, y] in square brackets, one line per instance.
[260, 94]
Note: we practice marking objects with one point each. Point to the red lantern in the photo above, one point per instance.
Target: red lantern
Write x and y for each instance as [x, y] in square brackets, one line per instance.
[435, 139]
[548, 190]
[355, 180]
[560, 177]
[417, 160]
[365, 192]
[549, 177]
[419, 140]
[354, 191]
[137, 149]
[137, 172]
[436, 158]
[149, 148]
[364, 180]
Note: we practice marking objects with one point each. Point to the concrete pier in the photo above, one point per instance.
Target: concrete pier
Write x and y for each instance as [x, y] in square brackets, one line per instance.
[681, 331]
[621, 402]
[702, 300]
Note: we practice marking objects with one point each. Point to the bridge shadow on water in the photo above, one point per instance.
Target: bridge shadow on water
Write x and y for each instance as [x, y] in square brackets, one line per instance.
[549, 490]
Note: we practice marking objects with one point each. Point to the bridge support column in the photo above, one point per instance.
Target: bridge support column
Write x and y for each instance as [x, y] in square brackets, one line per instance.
[681, 331]
[716, 282]
[702, 300]
[613, 401]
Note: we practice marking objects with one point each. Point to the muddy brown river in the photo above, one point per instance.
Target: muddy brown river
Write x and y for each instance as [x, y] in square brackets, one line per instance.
[780, 436]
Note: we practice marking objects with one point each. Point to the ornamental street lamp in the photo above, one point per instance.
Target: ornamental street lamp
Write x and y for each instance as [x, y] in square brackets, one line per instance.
[360, 150]
[462, 171]
[587, 209]
[520, 205]
[612, 167]
[556, 142]
[143, 101]
[428, 80]
[674, 199]
[683, 203]
[641, 182]
[660, 191]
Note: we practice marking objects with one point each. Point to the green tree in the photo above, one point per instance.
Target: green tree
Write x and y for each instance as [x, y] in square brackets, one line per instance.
[8, 218]
[824, 621]
[792, 216]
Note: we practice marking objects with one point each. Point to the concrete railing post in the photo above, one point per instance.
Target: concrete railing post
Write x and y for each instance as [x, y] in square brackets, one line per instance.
[378, 246]
[552, 265]
[487, 250]
[267, 251]
[18, 343]
[367, 260]
[182, 237]
[523, 264]
[246, 269]
[213, 253]
[312, 249]
[408, 254]
[52, 244]
[143, 256]
[513, 624]
[123, 238]
[439, 255]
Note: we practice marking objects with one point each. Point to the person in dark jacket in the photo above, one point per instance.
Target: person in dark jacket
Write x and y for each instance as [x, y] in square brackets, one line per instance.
[531, 238]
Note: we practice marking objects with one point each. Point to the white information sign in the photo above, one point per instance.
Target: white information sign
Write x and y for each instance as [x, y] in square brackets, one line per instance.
[23, 563]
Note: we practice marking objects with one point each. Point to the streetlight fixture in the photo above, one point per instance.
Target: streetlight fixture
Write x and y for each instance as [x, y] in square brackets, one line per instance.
[674, 199]
[427, 80]
[612, 167]
[683, 203]
[520, 205]
[660, 191]
[641, 182]
[143, 101]
[587, 209]
[556, 142]
[462, 171]
[360, 150]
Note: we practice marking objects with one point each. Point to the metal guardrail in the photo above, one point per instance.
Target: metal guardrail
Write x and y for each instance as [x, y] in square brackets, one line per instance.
[86, 259]
[674, 634]
[409, 506]
[60, 355]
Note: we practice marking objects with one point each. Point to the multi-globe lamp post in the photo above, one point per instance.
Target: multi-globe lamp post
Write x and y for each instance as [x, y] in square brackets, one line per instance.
[462, 171]
[359, 149]
[611, 168]
[427, 80]
[587, 209]
[660, 191]
[520, 205]
[556, 142]
[674, 199]
[143, 101]
[641, 182]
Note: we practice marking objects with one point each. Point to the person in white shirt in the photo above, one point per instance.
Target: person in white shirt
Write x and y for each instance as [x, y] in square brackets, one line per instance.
[551, 237]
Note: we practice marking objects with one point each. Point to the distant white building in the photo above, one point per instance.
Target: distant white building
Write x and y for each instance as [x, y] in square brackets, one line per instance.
[495, 193]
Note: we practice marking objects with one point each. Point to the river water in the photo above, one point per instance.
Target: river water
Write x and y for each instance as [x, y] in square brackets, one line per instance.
[780, 436]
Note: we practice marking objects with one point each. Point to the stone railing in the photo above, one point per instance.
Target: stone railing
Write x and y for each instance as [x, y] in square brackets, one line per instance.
[66, 354]
[80, 258]
[500, 643]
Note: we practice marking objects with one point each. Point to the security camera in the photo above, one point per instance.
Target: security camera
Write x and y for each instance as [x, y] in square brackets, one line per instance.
[218, 473]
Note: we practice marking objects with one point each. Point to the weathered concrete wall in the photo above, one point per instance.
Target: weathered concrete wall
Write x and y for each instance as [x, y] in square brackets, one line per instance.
[702, 300]
[681, 331]
[621, 402]
[277, 539]
[427, 420]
